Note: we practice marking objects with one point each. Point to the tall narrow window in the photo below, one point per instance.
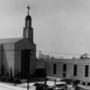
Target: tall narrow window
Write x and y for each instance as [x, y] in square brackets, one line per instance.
[54, 68]
[25, 61]
[86, 70]
[64, 67]
[75, 70]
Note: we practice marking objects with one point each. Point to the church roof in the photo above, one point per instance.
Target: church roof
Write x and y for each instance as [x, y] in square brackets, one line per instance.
[9, 40]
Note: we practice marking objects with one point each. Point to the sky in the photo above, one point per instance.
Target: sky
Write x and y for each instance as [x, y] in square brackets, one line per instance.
[60, 26]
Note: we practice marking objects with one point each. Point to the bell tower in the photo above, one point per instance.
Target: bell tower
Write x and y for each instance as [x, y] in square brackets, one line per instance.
[28, 30]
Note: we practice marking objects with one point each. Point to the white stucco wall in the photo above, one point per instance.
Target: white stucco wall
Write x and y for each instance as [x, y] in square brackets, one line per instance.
[69, 73]
[8, 56]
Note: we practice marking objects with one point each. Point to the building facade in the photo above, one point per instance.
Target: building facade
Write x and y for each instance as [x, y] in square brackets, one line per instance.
[74, 69]
[16, 53]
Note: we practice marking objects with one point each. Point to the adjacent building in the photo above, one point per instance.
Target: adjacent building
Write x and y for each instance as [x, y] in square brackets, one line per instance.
[74, 69]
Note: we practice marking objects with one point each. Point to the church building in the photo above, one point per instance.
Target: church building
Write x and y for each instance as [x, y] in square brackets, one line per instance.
[15, 53]
[18, 57]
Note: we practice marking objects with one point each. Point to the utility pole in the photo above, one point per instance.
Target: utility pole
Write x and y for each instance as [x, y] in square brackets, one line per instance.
[28, 69]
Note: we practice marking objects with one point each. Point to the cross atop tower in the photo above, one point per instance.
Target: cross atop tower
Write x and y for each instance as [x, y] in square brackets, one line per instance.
[28, 30]
[28, 9]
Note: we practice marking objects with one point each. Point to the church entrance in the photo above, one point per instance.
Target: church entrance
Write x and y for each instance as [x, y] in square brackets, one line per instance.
[25, 62]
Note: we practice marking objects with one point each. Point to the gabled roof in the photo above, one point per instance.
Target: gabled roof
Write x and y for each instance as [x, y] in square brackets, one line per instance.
[10, 40]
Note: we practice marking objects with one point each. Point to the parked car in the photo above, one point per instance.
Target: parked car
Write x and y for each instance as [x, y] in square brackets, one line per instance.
[60, 87]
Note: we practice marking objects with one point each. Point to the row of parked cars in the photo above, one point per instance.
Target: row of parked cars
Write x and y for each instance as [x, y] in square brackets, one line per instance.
[51, 84]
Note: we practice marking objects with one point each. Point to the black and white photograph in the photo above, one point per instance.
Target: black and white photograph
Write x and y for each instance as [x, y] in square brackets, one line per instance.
[44, 44]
